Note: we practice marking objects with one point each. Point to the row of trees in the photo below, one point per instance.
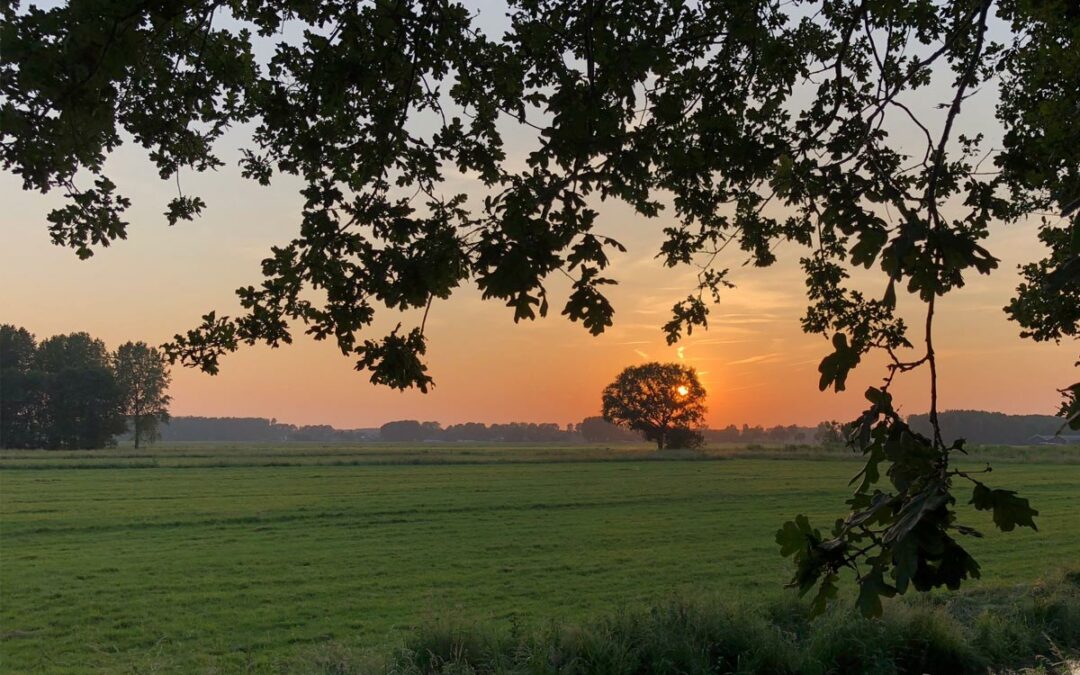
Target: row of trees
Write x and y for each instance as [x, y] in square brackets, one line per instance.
[513, 432]
[70, 391]
[594, 429]
[195, 429]
[823, 434]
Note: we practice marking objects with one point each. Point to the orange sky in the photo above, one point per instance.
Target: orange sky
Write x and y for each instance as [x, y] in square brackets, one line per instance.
[755, 362]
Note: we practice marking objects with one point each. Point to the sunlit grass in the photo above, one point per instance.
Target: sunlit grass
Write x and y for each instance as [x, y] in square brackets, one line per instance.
[205, 567]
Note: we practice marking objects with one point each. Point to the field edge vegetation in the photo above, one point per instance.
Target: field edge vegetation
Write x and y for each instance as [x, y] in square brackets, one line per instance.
[1030, 628]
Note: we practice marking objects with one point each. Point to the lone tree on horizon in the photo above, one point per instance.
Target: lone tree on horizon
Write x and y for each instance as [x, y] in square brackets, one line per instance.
[656, 399]
[143, 378]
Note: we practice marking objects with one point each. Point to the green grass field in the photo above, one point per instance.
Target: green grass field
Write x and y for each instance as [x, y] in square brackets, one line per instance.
[205, 559]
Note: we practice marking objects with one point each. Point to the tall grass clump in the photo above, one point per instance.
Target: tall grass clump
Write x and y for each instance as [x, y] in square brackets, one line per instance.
[676, 637]
[988, 630]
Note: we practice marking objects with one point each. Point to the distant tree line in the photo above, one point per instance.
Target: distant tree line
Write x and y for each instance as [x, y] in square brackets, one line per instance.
[193, 429]
[791, 434]
[979, 426]
[976, 426]
[597, 430]
[69, 391]
[513, 432]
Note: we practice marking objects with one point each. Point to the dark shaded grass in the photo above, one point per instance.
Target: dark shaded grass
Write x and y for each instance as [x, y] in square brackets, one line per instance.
[990, 630]
[439, 454]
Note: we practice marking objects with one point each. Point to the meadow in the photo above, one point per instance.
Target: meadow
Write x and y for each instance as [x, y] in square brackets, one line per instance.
[233, 558]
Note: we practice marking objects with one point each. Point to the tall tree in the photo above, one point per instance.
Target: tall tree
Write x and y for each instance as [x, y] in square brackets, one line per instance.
[21, 389]
[83, 404]
[656, 399]
[756, 123]
[143, 378]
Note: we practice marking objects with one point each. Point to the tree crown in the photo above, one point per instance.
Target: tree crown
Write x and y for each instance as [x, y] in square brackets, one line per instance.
[654, 398]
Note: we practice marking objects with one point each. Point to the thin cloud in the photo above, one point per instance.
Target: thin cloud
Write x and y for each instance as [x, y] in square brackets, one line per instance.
[758, 385]
[761, 358]
[753, 315]
[713, 341]
[744, 319]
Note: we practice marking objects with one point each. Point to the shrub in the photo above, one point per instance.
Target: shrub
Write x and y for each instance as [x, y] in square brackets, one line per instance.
[682, 438]
[995, 629]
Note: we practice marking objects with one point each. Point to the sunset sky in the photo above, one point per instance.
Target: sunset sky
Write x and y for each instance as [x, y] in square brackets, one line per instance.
[754, 361]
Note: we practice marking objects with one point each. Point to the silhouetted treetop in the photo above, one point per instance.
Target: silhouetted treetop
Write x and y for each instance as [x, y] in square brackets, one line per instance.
[59, 393]
[142, 375]
[724, 107]
[662, 401]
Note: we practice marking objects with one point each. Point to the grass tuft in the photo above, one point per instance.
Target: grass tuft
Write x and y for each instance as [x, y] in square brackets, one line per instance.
[997, 630]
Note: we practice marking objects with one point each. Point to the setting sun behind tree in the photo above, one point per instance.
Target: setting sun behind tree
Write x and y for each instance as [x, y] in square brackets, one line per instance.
[663, 401]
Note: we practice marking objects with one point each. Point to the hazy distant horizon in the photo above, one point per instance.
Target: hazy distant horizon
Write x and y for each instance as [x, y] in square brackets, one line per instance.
[562, 425]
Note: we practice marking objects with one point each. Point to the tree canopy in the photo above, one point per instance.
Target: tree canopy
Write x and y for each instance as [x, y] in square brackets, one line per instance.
[663, 401]
[66, 394]
[735, 124]
[143, 378]
[69, 391]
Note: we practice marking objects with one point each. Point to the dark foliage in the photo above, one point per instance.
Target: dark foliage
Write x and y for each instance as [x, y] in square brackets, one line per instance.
[22, 389]
[599, 430]
[66, 391]
[682, 438]
[409, 430]
[59, 394]
[143, 378]
[657, 399]
[513, 432]
[193, 429]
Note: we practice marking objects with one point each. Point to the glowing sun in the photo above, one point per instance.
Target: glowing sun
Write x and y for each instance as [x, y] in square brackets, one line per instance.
[682, 390]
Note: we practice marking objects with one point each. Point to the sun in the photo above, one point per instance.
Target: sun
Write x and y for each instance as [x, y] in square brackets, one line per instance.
[682, 390]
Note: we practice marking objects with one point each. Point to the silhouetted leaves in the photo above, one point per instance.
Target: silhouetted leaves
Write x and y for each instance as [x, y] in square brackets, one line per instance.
[627, 102]
[1009, 510]
[396, 360]
[900, 531]
[184, 208]
[835, 367]
[796, 536]
[92, 218]
[872, 588]
[1070, 409]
